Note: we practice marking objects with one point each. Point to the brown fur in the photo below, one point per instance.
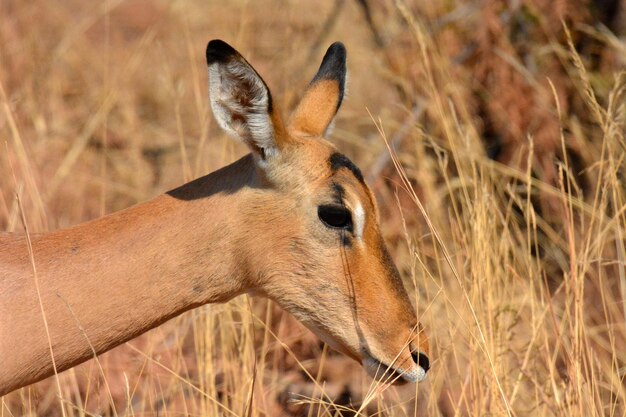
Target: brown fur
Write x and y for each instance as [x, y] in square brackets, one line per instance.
[316, 109]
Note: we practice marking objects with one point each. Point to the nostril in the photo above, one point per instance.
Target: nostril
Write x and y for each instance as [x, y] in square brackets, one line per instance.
[422, 360]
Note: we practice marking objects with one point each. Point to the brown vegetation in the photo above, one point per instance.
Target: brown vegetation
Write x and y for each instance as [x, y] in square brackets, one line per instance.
[502, 198]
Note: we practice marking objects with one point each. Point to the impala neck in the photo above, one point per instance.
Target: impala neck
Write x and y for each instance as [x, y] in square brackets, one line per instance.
[109, 280]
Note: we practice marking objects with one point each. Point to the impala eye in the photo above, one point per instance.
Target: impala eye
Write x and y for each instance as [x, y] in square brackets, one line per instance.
[335, 216]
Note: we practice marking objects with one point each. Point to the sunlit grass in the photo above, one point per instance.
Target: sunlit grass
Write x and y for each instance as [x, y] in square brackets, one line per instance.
[517, 275]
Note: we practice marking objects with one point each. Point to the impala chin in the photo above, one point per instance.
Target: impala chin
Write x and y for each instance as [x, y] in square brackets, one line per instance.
[393, 374]
[390, 374]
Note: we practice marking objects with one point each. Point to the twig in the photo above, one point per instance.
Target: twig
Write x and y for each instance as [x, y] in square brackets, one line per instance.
[383, 159]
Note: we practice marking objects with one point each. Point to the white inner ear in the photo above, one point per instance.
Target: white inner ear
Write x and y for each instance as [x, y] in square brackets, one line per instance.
[239, 100]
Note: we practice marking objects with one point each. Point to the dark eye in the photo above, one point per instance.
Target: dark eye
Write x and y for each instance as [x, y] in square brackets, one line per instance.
[335, 216]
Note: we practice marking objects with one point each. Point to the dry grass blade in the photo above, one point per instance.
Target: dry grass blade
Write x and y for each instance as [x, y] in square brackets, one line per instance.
[499, 176]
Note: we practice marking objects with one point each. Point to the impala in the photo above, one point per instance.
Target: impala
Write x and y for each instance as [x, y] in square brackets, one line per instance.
[293, 221]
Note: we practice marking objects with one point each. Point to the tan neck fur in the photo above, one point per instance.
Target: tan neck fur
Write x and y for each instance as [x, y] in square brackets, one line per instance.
[109, 280]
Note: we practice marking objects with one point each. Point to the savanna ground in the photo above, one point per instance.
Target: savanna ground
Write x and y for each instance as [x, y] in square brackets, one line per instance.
[503, 196]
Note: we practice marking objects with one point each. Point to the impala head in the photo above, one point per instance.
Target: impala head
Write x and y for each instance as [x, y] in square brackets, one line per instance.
[311, 239]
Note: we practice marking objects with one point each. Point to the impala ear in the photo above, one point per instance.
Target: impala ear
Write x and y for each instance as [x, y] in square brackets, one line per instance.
[241, 102]
[323, 96]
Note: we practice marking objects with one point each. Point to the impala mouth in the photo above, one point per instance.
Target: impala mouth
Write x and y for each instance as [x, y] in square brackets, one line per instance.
[380, 371]
[392, 374]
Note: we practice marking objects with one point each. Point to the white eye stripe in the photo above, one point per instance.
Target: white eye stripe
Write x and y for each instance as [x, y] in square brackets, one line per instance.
[359, 220]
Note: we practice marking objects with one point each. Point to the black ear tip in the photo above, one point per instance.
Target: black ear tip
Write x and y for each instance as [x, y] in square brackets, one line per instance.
[333, 65]
[219, 51]
[337, 50]
[335, 57]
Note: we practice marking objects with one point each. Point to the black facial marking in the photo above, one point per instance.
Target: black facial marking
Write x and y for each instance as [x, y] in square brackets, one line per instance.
[333, 67]
[338, 160]
[339, 192]
[345, 240]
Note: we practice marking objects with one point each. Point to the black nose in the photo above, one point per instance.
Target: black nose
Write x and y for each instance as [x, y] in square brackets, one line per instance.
[422, 360]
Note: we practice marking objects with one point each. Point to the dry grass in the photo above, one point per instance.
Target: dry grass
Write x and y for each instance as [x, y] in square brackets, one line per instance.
[504, 198]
